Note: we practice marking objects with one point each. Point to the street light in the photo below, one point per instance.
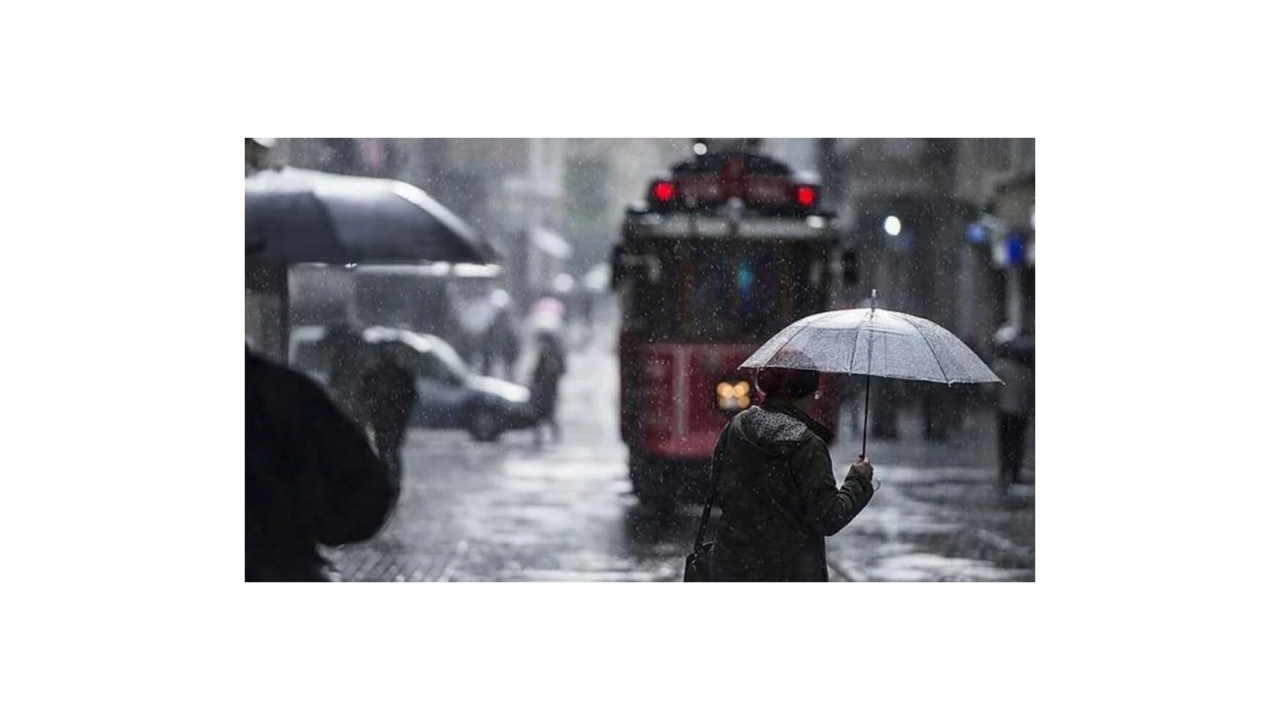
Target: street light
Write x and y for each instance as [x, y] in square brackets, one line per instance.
[892, 225]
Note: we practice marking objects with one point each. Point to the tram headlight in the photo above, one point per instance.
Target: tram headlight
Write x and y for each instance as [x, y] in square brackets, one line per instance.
[733, 396]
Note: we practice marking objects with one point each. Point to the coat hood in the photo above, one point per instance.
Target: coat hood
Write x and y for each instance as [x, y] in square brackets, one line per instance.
[778, 429]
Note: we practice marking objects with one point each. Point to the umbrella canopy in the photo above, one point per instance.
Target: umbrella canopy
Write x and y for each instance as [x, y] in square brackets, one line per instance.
[304, 216]
[873, 342]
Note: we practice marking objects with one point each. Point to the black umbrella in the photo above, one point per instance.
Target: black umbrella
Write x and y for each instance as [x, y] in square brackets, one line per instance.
[304, 216]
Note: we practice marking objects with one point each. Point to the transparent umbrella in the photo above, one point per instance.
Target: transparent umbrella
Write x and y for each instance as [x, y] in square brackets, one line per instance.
[873, 342]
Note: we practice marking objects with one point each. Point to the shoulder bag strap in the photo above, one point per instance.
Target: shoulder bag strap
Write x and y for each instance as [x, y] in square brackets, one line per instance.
[711, 495]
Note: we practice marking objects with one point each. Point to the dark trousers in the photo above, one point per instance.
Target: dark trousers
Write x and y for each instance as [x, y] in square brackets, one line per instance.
[1013, 444]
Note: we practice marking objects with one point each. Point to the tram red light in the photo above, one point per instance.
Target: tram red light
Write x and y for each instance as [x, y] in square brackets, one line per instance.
[807, 196]
[663, 191]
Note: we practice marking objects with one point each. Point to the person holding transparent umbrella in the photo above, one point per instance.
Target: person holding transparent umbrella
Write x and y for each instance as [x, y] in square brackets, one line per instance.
[777, 491]
[776, 512]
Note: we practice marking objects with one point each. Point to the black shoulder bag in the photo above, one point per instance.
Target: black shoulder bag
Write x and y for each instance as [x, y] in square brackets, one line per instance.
[698, 565]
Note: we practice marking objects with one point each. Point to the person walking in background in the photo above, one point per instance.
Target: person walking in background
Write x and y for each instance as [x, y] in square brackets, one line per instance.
[388, 394]
[549, 368]
[1014, 364]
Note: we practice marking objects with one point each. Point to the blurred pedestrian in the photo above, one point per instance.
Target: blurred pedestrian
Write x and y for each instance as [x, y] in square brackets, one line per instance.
[501, 343]
[1014, 364]
[346, 350]
[388, 393]
[545, 386]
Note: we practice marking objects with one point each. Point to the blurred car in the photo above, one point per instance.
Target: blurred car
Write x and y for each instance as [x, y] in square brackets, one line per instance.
[450, 393]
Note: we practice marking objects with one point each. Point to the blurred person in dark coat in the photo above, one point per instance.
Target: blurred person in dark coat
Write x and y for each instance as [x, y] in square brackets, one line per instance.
[549, 368]
[311, 477]
[388, 393]
[1014, 364]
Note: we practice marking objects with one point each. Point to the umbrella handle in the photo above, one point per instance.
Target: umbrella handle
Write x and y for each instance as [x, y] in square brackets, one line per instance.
[866, 403]
[866, 406]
